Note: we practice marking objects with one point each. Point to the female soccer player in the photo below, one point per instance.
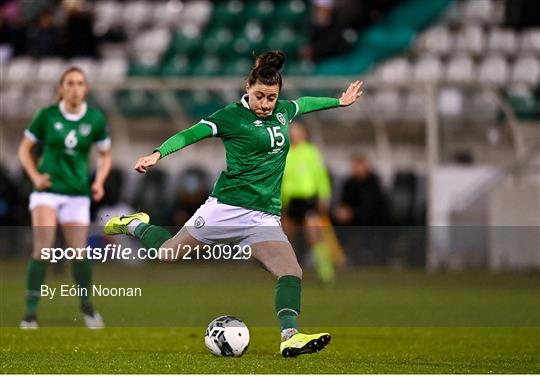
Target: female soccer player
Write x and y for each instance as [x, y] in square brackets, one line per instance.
[245, 204]
[66, 130]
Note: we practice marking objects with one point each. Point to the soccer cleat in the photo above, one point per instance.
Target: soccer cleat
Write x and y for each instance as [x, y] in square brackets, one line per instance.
[119, 224]
[304, 344]
[92, 319]
[29, 322]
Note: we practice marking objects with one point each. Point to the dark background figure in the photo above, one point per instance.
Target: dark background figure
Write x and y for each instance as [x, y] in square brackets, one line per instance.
[78, 38]
[325, 33]
[335, 25]
[362, 201]
[362, 206]
[12, 30]
[43, 36]
[8, 199]
[522, 14]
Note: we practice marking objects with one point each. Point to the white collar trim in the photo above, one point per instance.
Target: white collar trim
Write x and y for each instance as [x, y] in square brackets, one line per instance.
[73, 117]
[244, 101]
[246, 104]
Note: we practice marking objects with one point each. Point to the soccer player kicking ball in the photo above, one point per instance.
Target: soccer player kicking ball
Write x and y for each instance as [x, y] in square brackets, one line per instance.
[245, 204]
[66, 131]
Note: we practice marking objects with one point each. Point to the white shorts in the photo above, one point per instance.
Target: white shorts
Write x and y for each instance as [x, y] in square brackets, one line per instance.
[68, 208]
[217, 223]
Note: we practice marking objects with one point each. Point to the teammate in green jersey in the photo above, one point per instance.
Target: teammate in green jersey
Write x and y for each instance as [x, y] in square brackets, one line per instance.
[66, 130]
[245, 205]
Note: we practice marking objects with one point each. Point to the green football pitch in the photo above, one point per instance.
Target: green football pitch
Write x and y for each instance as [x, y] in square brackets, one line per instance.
[381, 322]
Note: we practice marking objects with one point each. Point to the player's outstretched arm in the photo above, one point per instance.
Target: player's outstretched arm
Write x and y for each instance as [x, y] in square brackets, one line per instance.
[180, 140]
[306, 105]
[352, 93]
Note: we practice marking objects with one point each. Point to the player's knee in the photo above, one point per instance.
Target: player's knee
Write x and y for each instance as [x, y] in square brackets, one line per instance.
[295, 271]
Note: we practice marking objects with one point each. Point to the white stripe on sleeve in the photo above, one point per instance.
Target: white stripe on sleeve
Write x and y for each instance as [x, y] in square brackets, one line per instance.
[297, 108]
[104, 144]
[212, 125]
[29, 135]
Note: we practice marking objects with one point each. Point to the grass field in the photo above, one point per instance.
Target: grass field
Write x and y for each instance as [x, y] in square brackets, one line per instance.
[381, 322]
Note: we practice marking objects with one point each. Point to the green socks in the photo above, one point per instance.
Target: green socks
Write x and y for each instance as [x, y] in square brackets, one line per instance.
[35, 276]
[288, 290]
[151, 236]
[82, 274]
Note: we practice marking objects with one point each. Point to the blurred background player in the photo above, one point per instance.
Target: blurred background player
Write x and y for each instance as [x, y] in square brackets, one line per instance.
[305, 194]
[245, 206]
[362, 204]
[66, 132]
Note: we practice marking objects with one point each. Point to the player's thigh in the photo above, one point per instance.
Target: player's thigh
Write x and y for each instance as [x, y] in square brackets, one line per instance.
[277, 257]
[75, 235]
[74, 218]
[43, 229]
[182, 243]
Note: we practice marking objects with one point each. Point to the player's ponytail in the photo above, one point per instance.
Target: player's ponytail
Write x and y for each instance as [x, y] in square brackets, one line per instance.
[266, 69]
[63, 77]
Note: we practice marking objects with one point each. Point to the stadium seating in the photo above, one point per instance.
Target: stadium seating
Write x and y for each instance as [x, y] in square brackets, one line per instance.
[467, 44]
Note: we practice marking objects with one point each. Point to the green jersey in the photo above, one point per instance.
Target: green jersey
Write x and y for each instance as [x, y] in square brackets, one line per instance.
[67, 139]
[256, 151]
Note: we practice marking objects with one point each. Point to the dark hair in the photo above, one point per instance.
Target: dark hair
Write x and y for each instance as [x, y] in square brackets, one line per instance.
[266, 69]
[63, 77]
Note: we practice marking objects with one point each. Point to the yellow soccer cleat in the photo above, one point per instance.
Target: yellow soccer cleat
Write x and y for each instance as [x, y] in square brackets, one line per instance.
[119, 224]
[300, 344]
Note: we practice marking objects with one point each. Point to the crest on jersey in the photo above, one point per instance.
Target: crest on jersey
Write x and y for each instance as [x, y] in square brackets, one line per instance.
[85, 129]
[199, 222]
[281, 118]
[58, 126]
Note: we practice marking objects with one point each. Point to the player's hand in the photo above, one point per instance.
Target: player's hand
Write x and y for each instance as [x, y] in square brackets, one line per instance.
[97, 191]
[148, 161]
[42, 182]
[352, 93]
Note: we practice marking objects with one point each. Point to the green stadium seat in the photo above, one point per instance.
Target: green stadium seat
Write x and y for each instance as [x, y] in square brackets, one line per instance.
[525, 107]
[93, 102]
[219, 41]
[178, 65]
[209, 65]
[187, 44]
[139, 103]
[142, 70]
[227, 13]
[299, 67]
[292, 12]
[249, 39]
[262, 10]
[285, 39]
[199, 103]
[237, 67]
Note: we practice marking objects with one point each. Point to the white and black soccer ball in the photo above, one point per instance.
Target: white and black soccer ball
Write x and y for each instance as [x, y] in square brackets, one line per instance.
[227, 336]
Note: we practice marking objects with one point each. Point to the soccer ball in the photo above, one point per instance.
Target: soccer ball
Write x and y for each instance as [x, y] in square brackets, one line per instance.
[227, 336]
